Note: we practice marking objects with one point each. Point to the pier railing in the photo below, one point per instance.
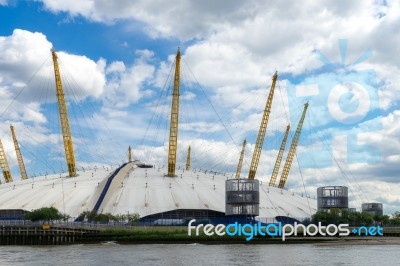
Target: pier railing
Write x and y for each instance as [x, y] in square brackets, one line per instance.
[45, 234]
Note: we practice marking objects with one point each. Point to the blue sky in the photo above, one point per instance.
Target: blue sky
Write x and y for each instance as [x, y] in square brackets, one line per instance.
[80, 36]
[116, 58]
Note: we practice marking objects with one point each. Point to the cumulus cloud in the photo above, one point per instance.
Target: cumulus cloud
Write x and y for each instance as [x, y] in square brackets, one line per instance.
[85, 73]
[161, 17]
[125, 84]
[27, 85]
[242, 43]
[25, 63]
[21, 55]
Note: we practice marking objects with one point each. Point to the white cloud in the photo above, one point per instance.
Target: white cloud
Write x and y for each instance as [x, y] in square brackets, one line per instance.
[224, 64]
[25, 60]
[125, 84]
[21, 55]
[117, 66]
[242, 43]
[27, 85]
[83, 7]
[162, 18]
[85, 73]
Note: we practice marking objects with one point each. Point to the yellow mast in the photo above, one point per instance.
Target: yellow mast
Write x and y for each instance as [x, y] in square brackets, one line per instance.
[293, 146]
[279, 158]
[4, 165]
[129, 154]
[188, 160]
[20, 160]
[263, 130]
[173, 131]
[239, 167]
[65, 128]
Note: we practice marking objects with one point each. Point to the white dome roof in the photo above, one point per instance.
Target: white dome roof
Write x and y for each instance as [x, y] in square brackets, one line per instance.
[145, 191]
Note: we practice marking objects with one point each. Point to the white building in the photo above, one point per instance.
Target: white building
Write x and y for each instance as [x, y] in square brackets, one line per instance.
[148, 192]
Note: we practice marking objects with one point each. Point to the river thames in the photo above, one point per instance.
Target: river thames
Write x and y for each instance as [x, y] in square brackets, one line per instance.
[198, 254]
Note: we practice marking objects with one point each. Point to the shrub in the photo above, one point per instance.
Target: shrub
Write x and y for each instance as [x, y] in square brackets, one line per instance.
[45, 214]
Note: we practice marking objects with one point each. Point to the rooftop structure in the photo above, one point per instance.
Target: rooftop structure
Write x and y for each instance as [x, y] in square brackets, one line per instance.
[332, 197]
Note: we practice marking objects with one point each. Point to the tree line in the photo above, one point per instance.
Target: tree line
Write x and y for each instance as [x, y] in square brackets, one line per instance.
[92, 216]
[52, 214]
[336, 216]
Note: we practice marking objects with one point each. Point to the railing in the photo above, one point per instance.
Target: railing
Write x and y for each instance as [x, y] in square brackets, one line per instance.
[70, 224]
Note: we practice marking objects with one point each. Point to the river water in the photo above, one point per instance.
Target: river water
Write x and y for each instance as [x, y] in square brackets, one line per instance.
[197, 254]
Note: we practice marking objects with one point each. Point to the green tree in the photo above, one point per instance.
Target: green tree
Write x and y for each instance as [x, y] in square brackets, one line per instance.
[395, 220]
[133, 218]
[103, 217]
[396, 215]
[92, 216]
[336, 216]
[45, 214]
[385, 219]
[320, 216]
[366, 219]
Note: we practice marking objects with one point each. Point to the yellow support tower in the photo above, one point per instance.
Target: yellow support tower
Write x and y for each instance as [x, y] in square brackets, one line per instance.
[239, 167]
[20, 160]
[173, 131]
[292, 151]
[129, 154]
[65, 128]
[263, 130]
[4, 165]
[279, 158]
[188, 160]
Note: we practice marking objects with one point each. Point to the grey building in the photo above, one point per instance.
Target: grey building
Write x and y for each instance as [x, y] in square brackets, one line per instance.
[373, 208]
[332, 197]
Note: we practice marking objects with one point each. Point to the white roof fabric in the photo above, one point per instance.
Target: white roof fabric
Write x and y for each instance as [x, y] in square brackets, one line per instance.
[71, 195]
[145, 191]
[148, 191]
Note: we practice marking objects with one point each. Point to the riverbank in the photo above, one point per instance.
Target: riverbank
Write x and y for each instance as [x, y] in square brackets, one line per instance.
[61, 235]
[179, 235]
